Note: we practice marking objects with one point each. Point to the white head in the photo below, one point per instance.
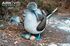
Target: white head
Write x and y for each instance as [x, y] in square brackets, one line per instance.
[32, 6]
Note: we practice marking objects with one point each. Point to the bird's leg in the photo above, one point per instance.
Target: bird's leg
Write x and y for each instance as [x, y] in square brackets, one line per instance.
[38, 37]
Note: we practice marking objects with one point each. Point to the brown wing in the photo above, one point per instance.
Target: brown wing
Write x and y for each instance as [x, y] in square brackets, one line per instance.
[42, 24]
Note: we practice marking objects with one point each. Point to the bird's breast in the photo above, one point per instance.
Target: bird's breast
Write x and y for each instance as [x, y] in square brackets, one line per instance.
[30, 23]
[30, 19]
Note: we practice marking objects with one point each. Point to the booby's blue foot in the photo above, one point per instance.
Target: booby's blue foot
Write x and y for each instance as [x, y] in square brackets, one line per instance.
[38, 37]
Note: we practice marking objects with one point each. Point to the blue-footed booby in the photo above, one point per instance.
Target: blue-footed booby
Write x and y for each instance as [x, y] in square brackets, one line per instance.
[35, 19]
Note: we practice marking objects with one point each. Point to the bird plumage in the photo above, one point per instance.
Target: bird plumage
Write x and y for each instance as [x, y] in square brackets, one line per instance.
[34, 21]
[15, 20]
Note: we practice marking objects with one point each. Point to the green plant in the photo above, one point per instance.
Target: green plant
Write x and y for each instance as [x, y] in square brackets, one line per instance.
[21, 1]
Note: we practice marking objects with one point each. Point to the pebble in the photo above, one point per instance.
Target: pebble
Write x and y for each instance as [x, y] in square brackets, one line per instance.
[5, 41]
[15, 42]
[52, 44]
[64, 44]
[32, 38]
[27, 36]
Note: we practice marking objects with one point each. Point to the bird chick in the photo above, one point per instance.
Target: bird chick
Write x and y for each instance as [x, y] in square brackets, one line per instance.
[15, 20]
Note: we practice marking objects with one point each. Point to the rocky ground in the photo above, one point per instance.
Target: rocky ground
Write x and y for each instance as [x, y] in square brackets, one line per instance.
[10, 36]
